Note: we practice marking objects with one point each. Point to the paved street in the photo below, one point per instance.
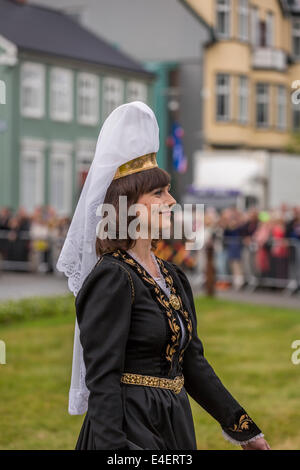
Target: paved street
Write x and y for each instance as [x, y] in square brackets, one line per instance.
[19, 285]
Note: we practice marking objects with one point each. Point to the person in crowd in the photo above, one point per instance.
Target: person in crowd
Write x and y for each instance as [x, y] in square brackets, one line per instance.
[293, 236]
[22, 243]
[5, 216]
[261, 239]
[39, 235]
[248, 229]
[233, 239]
[221, 255]
[279, 248]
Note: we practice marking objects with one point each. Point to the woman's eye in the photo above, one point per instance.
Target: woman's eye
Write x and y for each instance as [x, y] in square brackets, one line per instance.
[158, 192]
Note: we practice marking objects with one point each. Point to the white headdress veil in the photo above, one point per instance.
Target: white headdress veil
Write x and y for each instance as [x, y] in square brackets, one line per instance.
[130, 131]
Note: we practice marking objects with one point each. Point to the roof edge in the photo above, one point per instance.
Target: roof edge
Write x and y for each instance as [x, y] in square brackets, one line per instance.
[200, 19]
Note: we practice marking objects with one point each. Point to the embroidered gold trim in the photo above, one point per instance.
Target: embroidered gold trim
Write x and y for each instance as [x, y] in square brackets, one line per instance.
[161, 297]
[243, 424]
[175, 384]
[131, 282]
[184, 312]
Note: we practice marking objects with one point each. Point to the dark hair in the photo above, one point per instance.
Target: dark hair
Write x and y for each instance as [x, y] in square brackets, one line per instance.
[133, 186]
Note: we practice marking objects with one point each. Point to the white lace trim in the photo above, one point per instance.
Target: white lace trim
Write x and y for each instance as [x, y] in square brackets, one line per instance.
[78, 401]
[239, 443]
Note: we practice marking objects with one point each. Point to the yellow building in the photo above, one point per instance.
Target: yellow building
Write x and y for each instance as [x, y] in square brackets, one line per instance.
[250, 70]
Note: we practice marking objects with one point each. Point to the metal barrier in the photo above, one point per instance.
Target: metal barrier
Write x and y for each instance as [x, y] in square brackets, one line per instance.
[275, 263]
[20, 251]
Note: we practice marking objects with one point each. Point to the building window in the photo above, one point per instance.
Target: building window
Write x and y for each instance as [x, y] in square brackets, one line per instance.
[32, 90]
[281, 107]
[262, 105]
[61, 94]
[223, 97]
[269, 29]
[296, 38]
[296, 117]
[88, 98]
[32, 176]
[243, 19]
[262, 40]
[61, 180]
[254, 26]
[84, 156]
[223, 18]
[243, 92]
[136, 91]
[113, 94]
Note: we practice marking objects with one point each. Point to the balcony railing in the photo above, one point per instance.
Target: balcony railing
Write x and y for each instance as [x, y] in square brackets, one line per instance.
[269, 58]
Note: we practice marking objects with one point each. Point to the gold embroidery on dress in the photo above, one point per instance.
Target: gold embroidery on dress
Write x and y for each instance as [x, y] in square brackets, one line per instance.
[175, 302]
[243, 424]
[186, 316]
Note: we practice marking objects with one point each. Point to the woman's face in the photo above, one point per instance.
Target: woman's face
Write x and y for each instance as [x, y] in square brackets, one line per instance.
[158, 204]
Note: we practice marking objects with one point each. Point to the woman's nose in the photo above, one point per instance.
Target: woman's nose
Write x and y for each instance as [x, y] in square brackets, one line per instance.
[170, 200]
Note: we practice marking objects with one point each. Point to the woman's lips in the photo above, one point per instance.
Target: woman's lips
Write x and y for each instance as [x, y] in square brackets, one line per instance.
[166, 212]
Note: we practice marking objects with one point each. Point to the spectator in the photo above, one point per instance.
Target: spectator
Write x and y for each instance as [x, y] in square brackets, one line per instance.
[233, 237]
[279, 248]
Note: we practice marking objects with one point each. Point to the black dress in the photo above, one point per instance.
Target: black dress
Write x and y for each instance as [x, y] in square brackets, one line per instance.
[128, 324]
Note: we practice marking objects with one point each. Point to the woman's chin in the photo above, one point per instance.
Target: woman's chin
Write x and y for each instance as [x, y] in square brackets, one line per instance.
[166, 226]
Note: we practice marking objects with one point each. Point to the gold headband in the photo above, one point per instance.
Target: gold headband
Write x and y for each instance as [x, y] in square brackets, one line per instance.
[145, 162]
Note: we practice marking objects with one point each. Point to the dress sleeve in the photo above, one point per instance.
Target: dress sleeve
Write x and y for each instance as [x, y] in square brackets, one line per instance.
[205, 387]
[103, 313]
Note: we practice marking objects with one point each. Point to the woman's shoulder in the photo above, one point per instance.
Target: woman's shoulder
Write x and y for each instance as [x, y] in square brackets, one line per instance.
[106, 271]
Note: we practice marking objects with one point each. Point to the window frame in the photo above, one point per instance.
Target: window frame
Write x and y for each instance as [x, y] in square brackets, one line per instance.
[132, 83]
[85, 151]
[267, 102]
[107, 82]
[295, 112]
[62, 153]
[37, 111]
[56, 114]
[255, 32]
[92, 119]
[225, 8]
[229, 94]
[243, 15]
[243, 94]
[28, 151]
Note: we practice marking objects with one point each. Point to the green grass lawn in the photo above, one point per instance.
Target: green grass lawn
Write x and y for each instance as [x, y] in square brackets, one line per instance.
[249, 347]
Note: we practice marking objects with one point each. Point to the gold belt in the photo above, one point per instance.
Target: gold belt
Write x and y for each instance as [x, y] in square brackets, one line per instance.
[175, 384]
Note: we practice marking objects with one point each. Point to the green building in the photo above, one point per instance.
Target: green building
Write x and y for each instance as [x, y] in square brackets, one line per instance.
[58, 83]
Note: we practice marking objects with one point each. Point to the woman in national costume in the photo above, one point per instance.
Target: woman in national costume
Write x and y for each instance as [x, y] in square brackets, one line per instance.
[137, 353]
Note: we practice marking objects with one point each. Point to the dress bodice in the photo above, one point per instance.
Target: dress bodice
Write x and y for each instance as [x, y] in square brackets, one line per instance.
[161, 282]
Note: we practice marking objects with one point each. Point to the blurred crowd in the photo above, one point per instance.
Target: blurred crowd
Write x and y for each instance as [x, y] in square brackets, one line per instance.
[249, 247]
[31, 241]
